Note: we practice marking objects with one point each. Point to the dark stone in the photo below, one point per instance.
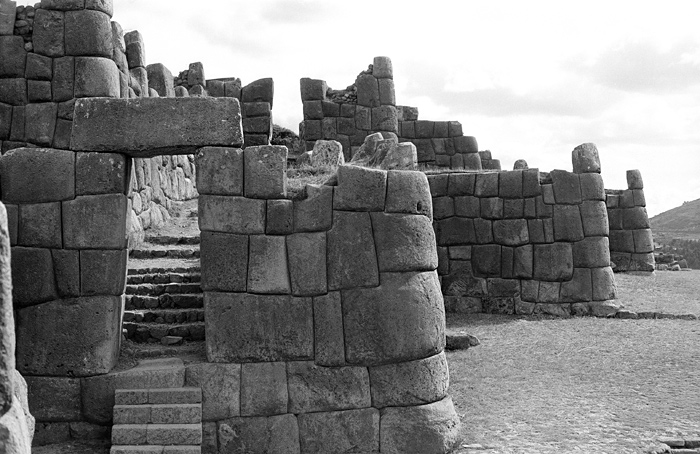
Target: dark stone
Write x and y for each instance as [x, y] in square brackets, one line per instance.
[62, 84]
[262, 90]
[567, 188]
[88, 33]
[95, 221]
[33, 279]
[306, 254]
[35, 175]
[404, 242]
[567, 223]
[486, 260]
[352, 260]
[102, 272]
[100, 173]
[13, 91]
[280, 217]
[13, 57]
[553, 262]
[219, 171]
[40, 225]
[48, 36]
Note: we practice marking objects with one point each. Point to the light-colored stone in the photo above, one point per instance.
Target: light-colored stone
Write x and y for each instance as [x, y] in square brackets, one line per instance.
[231, 214]
[404, 242]
[267, 266]
[34, 175]
[408, 192]
[352, 259]
[340, 431]
[220, 385]
[410, 383]
[219, 171]
[327, 153]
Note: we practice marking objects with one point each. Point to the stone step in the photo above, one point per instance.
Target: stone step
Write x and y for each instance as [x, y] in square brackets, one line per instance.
[157, 434]
[161, 289]
[166, 301]
[184, 253]
[156, 333]
[156, 449]
[164, 316]
[163, 278]
[158, 414]
[163, 265]
[172, 239]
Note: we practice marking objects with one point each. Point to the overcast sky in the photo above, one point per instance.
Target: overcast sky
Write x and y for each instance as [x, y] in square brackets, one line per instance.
[530, 80]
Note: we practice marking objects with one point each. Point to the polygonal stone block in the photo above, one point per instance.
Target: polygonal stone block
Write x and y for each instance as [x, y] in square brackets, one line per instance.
[385, 118]
[8, 14]
[266, 434]
[66, 265]
[443, 207]
[595, 218]
[314, 388]
[265, 170]
[467, 206]
[231, 214]
[408, 192]
[486, 260]
[96, 77]
[510, 184]
[102, 272]
[566, 186]
[100, 173]
[105, 6]
[315, 212]
[339, 431]
[604, 287]
[313, 89]
[461, 184]
[491, 207]
[634, 179]
[219, 171]
[585, 159]
[280, 217]
[553, 262]
[62, 84]
[622, 241]
[592, 186]
[568, 225]
[329, 348]
[387, 95]
[523, 262]
[48, 36]
[352, 260]
[510, 232]
[643, 241]
[486, 185]
[484, 231]
[221, 388]
[32, 276]
[307, 263]
[267, 265]
[95, 222]
[13, 57]
[38, 91]
[88, 33]
[40, 123]
[455, 231]
[578, 289]
[360, 189]
[261, 90]
[264, 389]
[367, 91]
[635, 218]
[248, 328]
[404, 242]
[401, 320]
[40, 225]
[77, 337]
[410, 383]
[54, 398]
[161, 80]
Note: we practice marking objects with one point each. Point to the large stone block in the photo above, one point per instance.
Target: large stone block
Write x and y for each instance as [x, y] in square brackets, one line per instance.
[48, 36]
[224, 262]
[315, 212]
[135, 49]
[259, 435]
[553, 262]
[100, 173]
[88, 33]
[161, 80]
[595, 218]
[461, 184]
[578, 289]
[105, 6]
[8, 14]
[404, 242]
[40, 225]
[329, 348]
[408, 192]
[360, 189]
[410, 383]
[592, 252]
[63, 82]
[455, 231]
[219, 171]
[635, 218]
[566, 186]
[315, 388]
[313, 89]
[103, 272]
[268, 271]
[249, 328]
[352, 259]
[401, 320]
[261, 90]
[265, 172]
[385, 118]
[510, 184]
[592, 186]
[511, 232]
[427, 429]
[604, 286]
[486, 185]
[66, 267]
[33, 279]
[568, 225]
[147, 127]
[5, 121]
[97, 77]
[643, 241]
[264, 389]
[486, 260]
[54, 399]
[307, 263]
[231, 214]
[95, 222]
[72, 337]
[13, 57]
[622, 240]
[13, 91]
[340, 431]
[221, 388]
[467, 206]
[367, 91]
[634, 180]
[40, 123]
[585, 159]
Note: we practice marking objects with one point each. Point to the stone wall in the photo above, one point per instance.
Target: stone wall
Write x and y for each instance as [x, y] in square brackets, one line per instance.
[369, 106]
[524, 242]
[326, 310]
[631, 241]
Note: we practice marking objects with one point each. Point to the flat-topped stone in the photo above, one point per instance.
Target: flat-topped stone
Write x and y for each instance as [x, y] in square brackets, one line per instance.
[147, 127]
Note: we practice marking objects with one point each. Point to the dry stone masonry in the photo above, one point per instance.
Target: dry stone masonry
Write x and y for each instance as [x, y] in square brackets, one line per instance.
[631, 241]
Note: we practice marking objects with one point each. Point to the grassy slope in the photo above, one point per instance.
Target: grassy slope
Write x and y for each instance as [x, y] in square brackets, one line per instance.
[685, 218]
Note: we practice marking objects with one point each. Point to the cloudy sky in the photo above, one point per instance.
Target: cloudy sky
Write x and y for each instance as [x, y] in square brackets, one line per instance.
[530, 80]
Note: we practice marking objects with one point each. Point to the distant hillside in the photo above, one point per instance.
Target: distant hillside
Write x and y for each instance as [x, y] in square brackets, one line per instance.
[685, 218]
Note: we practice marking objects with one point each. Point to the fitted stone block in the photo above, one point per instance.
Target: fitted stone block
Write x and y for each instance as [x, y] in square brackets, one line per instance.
[510, 184]
[634, 179]
[221, 387]
[360, 189]
[5, 121]
[88, 33]
[578, 289]
[32, 276]
[265, 172]
[568, 225]
[315, 388]
[48, 36]
[13, 57]
[249, 328]
[261, 90]
[13, 91]
[268, 271]
[8, 13]
[622, 240]
[95, 222]
[264, 389]
[315, 212]
[401, 320]
[66, 268]
[455, 231]
[224, 262]
[486, 185]
[553, 262]
[231, 214]
[461, 184]
[404, 242]
[443, 207]
[102, 272]
[161, 80]
[339, 431]
[595, 218]
[77, 337]
[643, 241]
[100, 173]
[259, 435]
[177, 434]
[510, 232]
[38, 91]
[313, 89]
[367, 91]
[491, 207]
[40, 123]
[467, 206]
[38, 67]
[566, 186]
[385, 118]
[307, 263]
[54, 398]
[352, 259]
[410, 383]
[604, 287]
[431, 428]
[585, 159]
[280, 217]
[329, 349]
[592, 252]
[97, 77]
[40, 225]
[484, 231]
[63, 82]
[523, 262]
[219, 171]
[592, 186]
[635, 218]
[148, 127]
[408, 192]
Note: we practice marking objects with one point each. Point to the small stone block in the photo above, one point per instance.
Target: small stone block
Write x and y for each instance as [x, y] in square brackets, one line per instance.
[129, 434]
[130, 396]
[174, 395]
[307, 263]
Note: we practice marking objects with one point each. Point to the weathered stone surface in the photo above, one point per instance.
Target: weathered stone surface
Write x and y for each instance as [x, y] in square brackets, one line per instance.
[340, 431]
[224, 262]
[265, 172]
[76, 337]
[264, 389]
[66, 264]
[13, 91]
[622, 240]
[553, 262]
[360, 189]
[17, 424]
[367, 91]
[307, 263]
[100, 173]
[32, 276]
[592, 252]
[313, 89]
[510, 232]
[62, 84]
[404, 242]
[161, 80]
[585, 159]
[34, 175]
[102, 272]
[408, 192]
[135, 49]
[219, 171]
[401, 320]
[455, 231]
[314, 388]
[98, 77]
[352, 259]
[13, 57]
[88, 33]
[95, 221]
[148, 127]
[432, 428]
[592, 186]
[8, 13]
[604, 287]
[267, 265]
[634, 179]
[280, 217]
[635, 218]
[568, 225]
[404, 156]
[410, 383]
[327, 152]
[443, 207]
[578, 289]
[48, 36]
[231, 214]
[40, 123]
[247, 328]
[54, 398]
[261, 90]
[486, 185]
[510, 184]
[566, 186]
[595, 218]
[486, 260]
[643, 241]
[40, 225]
[315, 212]
[329, 349]
[259, 435]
